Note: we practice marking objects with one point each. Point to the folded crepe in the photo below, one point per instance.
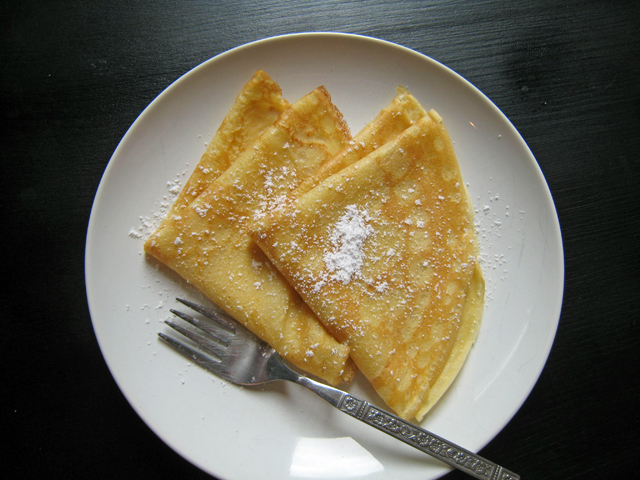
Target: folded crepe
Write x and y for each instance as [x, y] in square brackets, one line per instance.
[208, 245]
[255, 109]
[403, 111]
[384, 253]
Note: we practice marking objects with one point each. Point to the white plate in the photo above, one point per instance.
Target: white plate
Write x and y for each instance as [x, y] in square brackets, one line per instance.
[282, 431]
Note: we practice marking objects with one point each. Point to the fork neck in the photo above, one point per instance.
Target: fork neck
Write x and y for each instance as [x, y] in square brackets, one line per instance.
[277, 369]
[330, 394]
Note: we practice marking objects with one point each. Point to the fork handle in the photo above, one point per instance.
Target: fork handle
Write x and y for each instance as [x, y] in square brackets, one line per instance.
[423, 440]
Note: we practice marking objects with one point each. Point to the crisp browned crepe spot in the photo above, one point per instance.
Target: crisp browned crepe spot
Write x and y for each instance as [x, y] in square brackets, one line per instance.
[407, 293]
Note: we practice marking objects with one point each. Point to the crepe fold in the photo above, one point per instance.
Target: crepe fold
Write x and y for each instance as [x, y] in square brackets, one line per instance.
[256, 107]
[384, 253]
[404, 110]
[207, 242]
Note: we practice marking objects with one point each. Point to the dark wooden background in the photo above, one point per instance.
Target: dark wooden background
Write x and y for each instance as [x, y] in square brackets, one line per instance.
[74, 75]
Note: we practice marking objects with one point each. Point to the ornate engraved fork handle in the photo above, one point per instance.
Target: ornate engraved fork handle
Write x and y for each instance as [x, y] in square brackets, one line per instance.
[410, 434]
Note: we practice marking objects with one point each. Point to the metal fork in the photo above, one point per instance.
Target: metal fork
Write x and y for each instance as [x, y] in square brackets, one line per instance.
[230, 351]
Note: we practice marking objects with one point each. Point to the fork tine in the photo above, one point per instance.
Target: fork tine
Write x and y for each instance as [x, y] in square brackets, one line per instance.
[206, 362]
[218, 334]
[205, 343]
[218, 317]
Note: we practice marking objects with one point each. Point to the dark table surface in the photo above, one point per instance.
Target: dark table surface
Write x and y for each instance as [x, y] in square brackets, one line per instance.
[75, 75]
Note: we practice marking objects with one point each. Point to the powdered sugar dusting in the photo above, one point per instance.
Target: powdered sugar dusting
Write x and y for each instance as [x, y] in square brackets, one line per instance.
[348, 237]
[497, 225]
[150, 223]
[274, 195]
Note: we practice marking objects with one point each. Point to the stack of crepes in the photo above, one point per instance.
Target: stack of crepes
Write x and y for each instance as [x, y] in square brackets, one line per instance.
[335, 250]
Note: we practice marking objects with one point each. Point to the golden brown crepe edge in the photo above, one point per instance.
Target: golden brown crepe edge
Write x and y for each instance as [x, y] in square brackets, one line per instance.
[467, 334]
[235, 134]
[403, 110]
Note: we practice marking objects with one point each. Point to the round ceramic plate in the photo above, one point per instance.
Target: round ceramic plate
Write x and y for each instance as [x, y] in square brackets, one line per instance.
[282, 431]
